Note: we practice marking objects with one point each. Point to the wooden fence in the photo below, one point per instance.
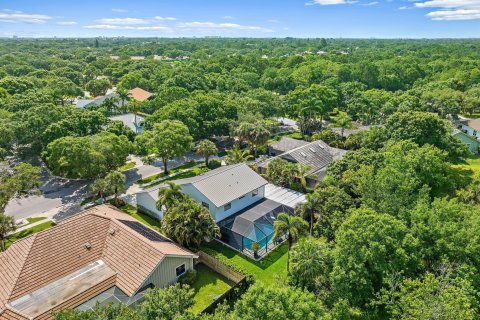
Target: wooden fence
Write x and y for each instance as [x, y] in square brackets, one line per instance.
[219, 267]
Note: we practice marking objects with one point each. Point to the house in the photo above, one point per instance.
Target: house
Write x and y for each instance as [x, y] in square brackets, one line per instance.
[223, 191]
[472, 143]
[317, 155]
[113, 57]
[283, 145]
[84, 103]
[137, 58]
[139, 94]
[100, 255]
[470, 126]
[134, 122]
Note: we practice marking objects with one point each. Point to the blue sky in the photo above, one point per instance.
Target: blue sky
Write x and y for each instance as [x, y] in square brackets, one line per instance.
[234, 18]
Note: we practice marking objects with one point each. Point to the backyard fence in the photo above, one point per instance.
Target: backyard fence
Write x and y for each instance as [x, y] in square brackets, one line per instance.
[239, 279]
[219, 267]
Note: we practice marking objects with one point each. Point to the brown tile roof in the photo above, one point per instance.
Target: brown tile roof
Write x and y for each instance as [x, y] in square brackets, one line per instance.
[33, 262]
[139, 94]
[472, 123]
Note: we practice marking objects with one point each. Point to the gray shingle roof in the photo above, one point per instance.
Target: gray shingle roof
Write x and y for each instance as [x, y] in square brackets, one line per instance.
[286, 144]
[226, 184]
[317, 155]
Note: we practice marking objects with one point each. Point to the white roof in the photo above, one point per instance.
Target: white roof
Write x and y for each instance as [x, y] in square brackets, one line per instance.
[287, 197]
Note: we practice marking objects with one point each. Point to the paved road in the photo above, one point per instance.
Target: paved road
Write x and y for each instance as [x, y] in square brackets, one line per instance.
[60, 198]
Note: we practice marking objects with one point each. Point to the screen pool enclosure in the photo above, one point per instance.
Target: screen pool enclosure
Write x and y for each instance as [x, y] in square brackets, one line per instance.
[254, 224]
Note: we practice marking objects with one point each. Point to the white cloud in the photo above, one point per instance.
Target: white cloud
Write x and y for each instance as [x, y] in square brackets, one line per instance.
[228, 18]
[67, 23]
[165, 18]
[273, 21]
[108, 27]
[124, 27]
[451, 9]
[14, 16]
[119, 10]
[373, 3]
[220, 26]
[123, 21]
[329, 2]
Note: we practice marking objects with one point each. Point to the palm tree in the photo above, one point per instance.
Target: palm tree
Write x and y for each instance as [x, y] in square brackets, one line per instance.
[7, 225]
[189, 224]
[308, 209]
[134, 107]
[124, 97]
[99, 187]
[115, 180]
[169, 196]
[110, 103]
[302, 173]
[291, 226]
[237, 155]
[206, 148]
[342, 120]
[256, 134]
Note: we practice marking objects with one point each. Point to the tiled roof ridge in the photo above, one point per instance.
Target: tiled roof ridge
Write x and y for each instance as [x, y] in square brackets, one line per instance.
[20, 270]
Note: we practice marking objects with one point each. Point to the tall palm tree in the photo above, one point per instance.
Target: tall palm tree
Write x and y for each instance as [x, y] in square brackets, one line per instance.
[342, 120]
[124, 98]
[134, 107]
[308, 209]
[206, 148]
[302, 173]
[237, 155]
[291, 226]
[169, 196]
[7, 225]
[110, 103]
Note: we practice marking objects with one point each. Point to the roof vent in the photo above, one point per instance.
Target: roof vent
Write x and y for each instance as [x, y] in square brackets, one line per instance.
[303, 154]
[313, 150]
[321, 146]
[88, 246]
[112, 232]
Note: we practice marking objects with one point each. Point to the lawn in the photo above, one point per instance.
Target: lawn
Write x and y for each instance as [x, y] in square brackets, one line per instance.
[33, 220]
[473, 163]
[208, 285]
[27, 232]
[126, 166]
[267, 270]
[187, 174]
[143, 218]
[187, 165]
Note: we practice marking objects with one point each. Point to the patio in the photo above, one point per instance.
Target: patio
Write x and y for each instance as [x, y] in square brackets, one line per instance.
[253, 225]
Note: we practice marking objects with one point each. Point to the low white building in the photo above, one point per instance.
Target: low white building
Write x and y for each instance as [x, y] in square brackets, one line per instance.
[471, 127]
[223, 191]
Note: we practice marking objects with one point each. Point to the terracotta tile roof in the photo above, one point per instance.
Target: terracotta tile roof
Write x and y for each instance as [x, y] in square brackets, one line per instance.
[139, 94]
[96, 234]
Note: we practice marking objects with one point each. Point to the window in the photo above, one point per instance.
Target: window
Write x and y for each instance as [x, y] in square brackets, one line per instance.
[241, 197]
[254, 192]
[227, 206]
[180, 270]
[206, 205]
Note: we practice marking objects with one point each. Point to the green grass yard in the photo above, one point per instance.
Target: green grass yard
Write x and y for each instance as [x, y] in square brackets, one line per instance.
[27, 232]
[208, 285]
[143, 218]
[127, 166]
[268, 270]
[187, 165]
[33, 220]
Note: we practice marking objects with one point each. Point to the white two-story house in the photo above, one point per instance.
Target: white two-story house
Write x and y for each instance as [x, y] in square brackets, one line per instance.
[470, 126]
[223, 191]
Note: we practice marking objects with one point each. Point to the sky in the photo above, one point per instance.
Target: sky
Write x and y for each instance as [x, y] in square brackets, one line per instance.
[241, 18]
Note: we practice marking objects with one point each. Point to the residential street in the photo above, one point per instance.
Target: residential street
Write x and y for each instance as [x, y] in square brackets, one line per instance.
[60, 198]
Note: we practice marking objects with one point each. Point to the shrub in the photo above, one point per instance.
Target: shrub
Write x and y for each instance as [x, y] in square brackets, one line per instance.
[214, 164]
[188, 278]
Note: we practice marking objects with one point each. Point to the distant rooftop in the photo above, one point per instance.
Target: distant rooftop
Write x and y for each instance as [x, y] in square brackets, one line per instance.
[128, 119]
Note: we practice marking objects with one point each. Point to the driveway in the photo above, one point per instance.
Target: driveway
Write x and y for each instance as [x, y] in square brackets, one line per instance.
[60, 198]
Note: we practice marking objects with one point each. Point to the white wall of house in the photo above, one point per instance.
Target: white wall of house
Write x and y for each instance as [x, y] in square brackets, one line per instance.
[471, 131]
[147, 204]
[219, 213]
